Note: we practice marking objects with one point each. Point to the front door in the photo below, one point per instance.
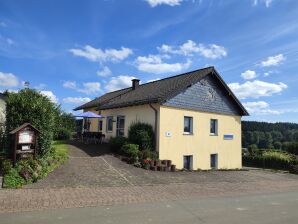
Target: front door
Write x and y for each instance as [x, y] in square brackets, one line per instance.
[120, 125]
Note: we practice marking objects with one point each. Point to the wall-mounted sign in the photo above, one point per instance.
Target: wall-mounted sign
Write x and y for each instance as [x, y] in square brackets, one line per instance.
[168, 134]
[228, 137]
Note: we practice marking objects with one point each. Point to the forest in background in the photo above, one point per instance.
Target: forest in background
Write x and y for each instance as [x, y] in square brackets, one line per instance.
[263, 135]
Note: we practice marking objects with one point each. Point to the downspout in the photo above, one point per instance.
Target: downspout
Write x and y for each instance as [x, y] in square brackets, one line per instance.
[155, 124]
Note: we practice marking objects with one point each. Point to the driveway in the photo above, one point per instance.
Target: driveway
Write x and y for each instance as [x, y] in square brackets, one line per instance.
[94, 165]
[94, 177]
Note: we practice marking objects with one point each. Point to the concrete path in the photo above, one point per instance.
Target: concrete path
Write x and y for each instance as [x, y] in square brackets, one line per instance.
[266, 209]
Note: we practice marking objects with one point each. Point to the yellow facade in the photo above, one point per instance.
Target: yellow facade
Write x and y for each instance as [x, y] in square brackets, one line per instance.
[200, 144]
[174, 144]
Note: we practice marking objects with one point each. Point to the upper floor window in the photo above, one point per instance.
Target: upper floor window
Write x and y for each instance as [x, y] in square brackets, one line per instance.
[188, 125]
[213, 126]
[109, 124]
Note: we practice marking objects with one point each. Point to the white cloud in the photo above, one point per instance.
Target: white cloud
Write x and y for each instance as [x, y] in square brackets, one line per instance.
[273, 60]
[260, 108]
[50, 95]
[90, 88]
[249, 74]
[40, 86]
[69, 84]
[8, 80]
[87, 87]
[76, 100]
[104, 72]
[266, 2]
[155, 64]
[119, 82]
[152, 80]
[190, 48]
[9, 41]
[99, 55]
[256, 89]
[154, 3]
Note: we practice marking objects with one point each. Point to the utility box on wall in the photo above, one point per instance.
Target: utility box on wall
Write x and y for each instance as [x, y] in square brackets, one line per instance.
[24, 141]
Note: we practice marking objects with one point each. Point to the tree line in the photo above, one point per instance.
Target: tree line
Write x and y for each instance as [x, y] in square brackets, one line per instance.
[263, 135]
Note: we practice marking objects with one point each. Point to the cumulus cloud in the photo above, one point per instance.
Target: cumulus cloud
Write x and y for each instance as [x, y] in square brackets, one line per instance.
[260, 108]
[69, 84]
[50, 95]
[248, 74]
[154, 3]
[256, 89]
[273, 60]
[87, 87]
[76, 100]
[104, 72]
[189, 48]
[155, 64]
[119, 82]
[8, 80]
[99, 55]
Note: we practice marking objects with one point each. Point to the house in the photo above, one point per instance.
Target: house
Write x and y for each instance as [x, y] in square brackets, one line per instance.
[196, 118]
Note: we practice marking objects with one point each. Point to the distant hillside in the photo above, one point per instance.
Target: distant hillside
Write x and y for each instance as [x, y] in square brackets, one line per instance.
[268, 135]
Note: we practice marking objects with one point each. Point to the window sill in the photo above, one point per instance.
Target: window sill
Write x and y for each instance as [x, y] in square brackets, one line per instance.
[213, 134]
[187, 133]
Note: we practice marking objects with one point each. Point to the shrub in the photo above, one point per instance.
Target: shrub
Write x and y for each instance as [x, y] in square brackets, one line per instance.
[141, 134]
[31, 106]
[6, 166]
[63, 134]
[291, 147]
[13, 180]
[148, 154]
[131, 150]
[270, 159]
[116, 143]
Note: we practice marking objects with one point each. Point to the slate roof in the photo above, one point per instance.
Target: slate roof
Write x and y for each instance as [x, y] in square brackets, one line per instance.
[156, 92]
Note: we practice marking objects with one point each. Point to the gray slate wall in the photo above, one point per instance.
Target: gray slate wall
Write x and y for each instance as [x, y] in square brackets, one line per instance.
[206, 95]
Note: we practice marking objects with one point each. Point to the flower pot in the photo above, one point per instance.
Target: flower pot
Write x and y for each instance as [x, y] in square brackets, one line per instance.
[169, 163]
[159, 168]
[173, 168]
[153, 168]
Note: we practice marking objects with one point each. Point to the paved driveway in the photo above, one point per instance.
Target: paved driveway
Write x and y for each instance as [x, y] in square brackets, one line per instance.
[92, 177]
[94, 165]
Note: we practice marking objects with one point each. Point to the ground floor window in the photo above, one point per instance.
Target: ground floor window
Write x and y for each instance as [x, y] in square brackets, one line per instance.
[109, 124]
[213, 161]
[120, 125]
[100, 125]
[187, 162]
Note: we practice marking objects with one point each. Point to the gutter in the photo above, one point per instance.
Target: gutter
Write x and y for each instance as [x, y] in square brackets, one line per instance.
[155, 124]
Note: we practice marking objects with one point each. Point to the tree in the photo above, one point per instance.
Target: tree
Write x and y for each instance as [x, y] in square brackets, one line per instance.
[277, 145]
[65, 125]
[30, 106]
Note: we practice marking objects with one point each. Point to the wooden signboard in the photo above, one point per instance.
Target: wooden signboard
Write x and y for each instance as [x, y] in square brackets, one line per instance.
[24, 141]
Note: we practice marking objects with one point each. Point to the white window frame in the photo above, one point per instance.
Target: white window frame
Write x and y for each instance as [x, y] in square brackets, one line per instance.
[191, 126]
[216, 127]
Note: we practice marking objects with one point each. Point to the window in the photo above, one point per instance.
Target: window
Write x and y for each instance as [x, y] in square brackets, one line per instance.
[109, 124]
[188, 125]
[187, 162]
[120, 125]
[213, 161]
[213, 127]
[100, 125]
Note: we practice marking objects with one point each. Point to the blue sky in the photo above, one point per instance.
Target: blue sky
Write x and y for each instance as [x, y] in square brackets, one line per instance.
[73, 51]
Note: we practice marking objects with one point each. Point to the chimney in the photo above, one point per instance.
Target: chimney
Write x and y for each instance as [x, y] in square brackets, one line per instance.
[135, 83]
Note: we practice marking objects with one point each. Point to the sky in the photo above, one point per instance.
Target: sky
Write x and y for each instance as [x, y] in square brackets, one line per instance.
[74, 51]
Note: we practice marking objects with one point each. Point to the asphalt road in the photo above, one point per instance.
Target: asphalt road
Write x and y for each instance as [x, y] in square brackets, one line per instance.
[265, 208]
